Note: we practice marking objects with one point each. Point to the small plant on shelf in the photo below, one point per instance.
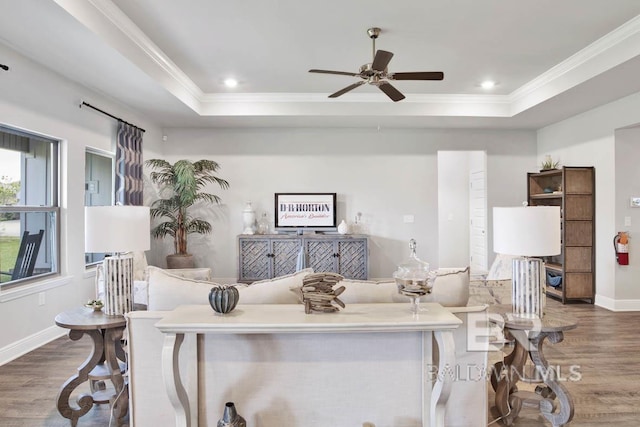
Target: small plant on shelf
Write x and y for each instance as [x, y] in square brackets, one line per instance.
[549, 164]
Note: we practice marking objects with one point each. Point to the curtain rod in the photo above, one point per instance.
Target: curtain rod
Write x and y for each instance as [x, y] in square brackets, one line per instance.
[110, 115]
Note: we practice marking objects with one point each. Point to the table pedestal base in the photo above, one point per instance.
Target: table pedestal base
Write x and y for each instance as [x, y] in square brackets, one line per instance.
[101, 364]
[553, 399]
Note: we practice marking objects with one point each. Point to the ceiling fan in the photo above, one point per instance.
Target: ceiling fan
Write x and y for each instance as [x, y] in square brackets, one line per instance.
[375, 73]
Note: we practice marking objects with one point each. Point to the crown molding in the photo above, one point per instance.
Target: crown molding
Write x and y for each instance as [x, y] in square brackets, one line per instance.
[354, 98]
[598, 47]
[129, 29]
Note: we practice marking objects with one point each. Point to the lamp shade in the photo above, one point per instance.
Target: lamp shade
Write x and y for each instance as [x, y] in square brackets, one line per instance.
[117, 228]
[527, 231]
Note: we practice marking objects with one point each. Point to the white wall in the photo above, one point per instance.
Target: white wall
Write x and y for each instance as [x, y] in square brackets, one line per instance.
[39, 101]
[627, 186]
[589, 140]
[384, 175]
[453, 208]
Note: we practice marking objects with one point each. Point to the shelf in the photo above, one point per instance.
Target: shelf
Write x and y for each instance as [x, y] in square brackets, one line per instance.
[547, 196]
[572, 188]
[549, 172]
[554, 292]
[553, 267]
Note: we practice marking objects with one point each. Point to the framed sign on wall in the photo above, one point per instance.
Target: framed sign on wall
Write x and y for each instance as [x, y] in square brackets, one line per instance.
[313, 211]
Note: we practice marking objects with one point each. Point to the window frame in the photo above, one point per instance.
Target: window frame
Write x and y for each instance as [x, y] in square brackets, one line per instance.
[53, 206]
[112, 156]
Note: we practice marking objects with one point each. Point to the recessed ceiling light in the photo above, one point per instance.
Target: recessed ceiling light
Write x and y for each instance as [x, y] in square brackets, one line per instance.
[488, 84]
[231, 82]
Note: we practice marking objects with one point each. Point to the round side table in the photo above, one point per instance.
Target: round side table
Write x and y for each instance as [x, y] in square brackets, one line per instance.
[104, 363]
[529, 336]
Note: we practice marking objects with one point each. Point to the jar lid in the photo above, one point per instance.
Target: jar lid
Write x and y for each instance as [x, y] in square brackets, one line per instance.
[412, 268]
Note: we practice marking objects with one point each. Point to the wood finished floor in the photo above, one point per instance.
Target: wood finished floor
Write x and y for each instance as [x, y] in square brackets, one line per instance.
[605, 347]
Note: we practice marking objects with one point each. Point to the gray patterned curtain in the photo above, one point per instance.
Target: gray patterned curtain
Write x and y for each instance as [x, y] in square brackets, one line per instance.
[129, 165]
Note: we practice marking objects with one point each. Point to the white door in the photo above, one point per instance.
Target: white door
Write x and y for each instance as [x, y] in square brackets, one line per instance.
[478, 221]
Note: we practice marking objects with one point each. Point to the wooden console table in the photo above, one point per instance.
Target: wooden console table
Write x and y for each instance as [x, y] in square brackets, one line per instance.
[103, 363]
[529, 336]
[358, 320]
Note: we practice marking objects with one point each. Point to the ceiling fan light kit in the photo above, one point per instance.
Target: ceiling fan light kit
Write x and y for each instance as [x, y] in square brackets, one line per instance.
[376, 73]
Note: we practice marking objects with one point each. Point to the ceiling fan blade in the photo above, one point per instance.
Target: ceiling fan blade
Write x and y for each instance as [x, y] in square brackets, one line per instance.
[391, 91]
[342, 73]
[346, 89]
[381, 60]
[418, 75]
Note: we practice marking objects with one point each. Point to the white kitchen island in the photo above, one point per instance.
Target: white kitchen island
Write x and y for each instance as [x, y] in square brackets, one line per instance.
[369, 364]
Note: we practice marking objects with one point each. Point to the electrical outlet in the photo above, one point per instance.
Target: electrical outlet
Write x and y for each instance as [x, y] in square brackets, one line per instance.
[41, 297]
[627, 221]
[91, 187]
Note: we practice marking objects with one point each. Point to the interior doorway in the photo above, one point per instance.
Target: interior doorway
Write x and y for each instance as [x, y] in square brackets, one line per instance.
[462, 210]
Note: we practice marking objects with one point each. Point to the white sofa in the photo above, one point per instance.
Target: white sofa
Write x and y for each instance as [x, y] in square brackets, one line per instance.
[267, 395]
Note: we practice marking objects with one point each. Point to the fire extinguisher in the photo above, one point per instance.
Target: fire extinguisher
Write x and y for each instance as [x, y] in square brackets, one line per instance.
[621, 246]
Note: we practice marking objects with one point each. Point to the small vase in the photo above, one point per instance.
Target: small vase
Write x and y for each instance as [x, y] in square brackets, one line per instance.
[230, 417]
[343, 228]
[263, 225]
[249, 219]
[223, 298]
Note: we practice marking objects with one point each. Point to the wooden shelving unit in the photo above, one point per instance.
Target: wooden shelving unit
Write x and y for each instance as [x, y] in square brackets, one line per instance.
[573, 189]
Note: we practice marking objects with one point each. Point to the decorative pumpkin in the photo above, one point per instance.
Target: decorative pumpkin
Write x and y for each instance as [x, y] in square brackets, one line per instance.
[223, 298]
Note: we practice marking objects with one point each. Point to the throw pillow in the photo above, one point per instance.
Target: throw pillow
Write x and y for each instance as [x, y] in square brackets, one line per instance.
[273, 291]
[139, 265]
[501, 267]
[167, 290]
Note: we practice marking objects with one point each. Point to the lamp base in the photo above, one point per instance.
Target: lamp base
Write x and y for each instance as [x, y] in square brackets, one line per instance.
[118, 284]
[528, 282]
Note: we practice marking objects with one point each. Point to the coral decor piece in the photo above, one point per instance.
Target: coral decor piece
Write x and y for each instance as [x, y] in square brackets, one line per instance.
[318, 294]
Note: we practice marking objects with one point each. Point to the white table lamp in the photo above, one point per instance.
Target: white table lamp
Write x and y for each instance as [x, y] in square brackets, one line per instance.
[117, 229]
[527, 232]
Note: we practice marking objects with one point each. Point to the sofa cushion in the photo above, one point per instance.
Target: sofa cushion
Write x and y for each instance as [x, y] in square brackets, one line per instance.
[369, 291]
[273, 291]
[451, 287]
[192, 273]
[167, 290]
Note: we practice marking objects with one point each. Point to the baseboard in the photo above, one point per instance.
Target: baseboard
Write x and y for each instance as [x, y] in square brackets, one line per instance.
[617, 304]
[25, 345]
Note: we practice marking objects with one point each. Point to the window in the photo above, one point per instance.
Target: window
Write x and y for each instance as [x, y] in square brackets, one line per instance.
[98, 186]
[28, 206]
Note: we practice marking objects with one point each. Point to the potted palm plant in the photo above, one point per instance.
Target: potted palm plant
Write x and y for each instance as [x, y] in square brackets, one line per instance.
[182, 183]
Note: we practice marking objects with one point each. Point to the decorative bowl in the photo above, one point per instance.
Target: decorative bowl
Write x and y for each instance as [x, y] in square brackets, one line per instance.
[553, 280]
[96, 304]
